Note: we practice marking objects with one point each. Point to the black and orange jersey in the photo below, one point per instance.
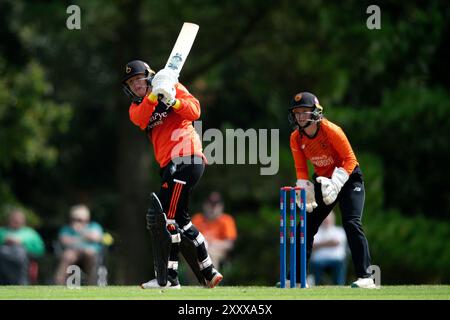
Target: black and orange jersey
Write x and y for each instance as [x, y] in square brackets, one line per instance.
[329, 149]
[170, 129]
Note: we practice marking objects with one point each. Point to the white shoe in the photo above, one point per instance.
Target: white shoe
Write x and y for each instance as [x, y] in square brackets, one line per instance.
[366, 283]
[153, 284]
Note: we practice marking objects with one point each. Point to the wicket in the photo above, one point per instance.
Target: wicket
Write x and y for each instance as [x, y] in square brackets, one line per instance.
[292, 236]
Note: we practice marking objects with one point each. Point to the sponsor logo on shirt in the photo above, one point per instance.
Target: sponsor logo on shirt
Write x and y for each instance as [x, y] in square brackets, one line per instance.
[161, 112]
[322, 161]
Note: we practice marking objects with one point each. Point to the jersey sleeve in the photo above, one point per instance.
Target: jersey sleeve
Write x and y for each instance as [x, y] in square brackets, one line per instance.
[140, 113]
[189, 106]
[301, 167]
[343, 148]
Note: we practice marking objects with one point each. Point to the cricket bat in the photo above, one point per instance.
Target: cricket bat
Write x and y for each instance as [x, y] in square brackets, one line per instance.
[182, 47]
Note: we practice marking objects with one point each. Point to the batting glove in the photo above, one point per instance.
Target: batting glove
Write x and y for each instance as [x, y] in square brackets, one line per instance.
[163, 85]
[331, 187]
[311, 203]
[166, 77]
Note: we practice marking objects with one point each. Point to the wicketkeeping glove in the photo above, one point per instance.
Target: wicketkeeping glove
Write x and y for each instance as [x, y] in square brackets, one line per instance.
[331, 187]
[311, 203]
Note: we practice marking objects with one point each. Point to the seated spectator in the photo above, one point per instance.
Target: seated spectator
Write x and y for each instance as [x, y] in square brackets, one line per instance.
[218, 228]
[81, 244]
[18, 244]
[329, 252]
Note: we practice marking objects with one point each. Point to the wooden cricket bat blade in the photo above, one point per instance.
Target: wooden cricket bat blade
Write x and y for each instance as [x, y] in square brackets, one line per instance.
[182, 47]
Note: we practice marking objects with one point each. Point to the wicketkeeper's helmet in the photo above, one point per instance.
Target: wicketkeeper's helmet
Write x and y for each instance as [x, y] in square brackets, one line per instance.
[308, 100]
[133, 68]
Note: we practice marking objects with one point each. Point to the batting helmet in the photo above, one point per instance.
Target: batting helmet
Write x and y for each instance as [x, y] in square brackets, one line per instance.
[133, 68]
[308, 100]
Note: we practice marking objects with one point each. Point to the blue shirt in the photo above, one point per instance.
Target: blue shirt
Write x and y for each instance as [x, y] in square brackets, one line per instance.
[82, 243]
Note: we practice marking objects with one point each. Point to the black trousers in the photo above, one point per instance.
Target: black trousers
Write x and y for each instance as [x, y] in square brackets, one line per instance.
[178, 180]
[351, 202]
[177, 184]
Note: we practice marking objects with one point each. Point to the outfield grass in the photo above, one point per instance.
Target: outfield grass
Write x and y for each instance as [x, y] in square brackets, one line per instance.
[423, 292]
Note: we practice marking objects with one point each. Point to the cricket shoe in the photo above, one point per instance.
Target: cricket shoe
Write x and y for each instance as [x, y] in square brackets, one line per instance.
[366, 283]
[215, 280]
[153, 284]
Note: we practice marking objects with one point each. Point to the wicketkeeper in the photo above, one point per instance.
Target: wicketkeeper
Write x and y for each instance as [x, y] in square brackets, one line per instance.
[337, 178]
[165, 109]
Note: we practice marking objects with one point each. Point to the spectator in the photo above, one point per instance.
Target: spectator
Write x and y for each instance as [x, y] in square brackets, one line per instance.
[329, 251]
[81, 244]
[218, 228]
[18, 244]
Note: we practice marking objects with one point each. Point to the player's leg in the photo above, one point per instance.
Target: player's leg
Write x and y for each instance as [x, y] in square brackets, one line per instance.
[68, 257]
[351, 202]
[166, 244]
[89, 263]
[317, 270]
[161, 242]
[195, 252]
[193, 245]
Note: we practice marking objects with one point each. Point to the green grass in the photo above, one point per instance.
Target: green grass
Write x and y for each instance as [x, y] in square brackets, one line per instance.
[422, 292]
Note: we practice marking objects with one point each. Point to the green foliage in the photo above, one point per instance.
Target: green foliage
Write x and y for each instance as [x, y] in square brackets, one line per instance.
[409, 133]
[409, 249]
[29, 118]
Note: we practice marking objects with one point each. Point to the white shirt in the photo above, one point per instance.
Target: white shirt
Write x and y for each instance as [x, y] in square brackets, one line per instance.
[335, 252]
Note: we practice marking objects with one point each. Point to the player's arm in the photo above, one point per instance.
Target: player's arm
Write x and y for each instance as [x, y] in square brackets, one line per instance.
[331, 187]
[140, 113]
[344, 149]
[301, 167]
[68, 240]
[187, 106]
[93, 234]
